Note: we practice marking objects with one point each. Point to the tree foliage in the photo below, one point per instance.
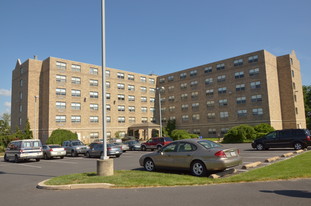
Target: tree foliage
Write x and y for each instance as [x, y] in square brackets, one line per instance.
[182, 134]
[60, 135]
[307, 102]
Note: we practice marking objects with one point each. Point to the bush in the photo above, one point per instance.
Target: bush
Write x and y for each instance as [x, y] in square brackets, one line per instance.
[263, 128]
[182, 134]
[240, 134]
[60, 135]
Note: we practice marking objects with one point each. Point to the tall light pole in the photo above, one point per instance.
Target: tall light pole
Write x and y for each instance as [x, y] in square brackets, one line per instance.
[35, 113]
[160, 109]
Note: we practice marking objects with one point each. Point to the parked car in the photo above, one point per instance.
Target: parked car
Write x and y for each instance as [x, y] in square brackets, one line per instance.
[96, 150]
[155, 143]
[123, 146]
[296, 138]
[74, 147]
[53, 150]
[133, 144]
[197, 155]
[23, 150]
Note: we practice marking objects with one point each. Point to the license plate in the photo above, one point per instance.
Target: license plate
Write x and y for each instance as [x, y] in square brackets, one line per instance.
[233, 154]
[117, 152]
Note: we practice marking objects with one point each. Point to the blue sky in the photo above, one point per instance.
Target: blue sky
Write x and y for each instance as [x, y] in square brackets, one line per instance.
[151, 36]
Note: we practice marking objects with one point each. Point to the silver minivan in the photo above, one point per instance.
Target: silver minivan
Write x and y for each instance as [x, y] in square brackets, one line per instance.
[23, 150]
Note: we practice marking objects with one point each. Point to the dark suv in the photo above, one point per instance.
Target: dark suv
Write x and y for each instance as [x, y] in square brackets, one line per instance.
[156, 143]
[296, 138]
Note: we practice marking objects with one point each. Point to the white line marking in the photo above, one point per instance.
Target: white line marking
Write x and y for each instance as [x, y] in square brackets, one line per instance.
[26, 165]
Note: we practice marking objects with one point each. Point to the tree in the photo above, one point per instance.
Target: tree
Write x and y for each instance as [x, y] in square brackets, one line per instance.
[307, 102]
[182, 134]
[27, 132]
[171, 125]
[240, 134]
[60, 135]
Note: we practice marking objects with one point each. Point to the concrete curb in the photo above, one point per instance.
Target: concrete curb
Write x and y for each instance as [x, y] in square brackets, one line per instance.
[272, 159]
[42, 185]
[223, 173]
[299, 151]
[288, 154]
[251, 165]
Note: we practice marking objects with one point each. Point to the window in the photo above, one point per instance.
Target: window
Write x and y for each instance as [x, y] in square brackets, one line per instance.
[184, 96]
[194, 95]
[257, 111]
[132, 119]
[143, 79]
[220, 66]
[252, 59]
[121, 108]
[143, 99]
[75, 119]
[60, 118]
[61, 105]
[224, 115]
[293, 73]
[131, 98]
[22, 70]
[210, 103]
[108, 107]
[195, 105]
[223, 102]
[209, 92]
[121, 86]
[170, 78]
[94, 135]
[21, 83]
[221, 78]
[238, 75]
[95, 107]
[222, 90]
[195, 117]
[162, 80]
[21, 107]
[253, 72]
[255, 85]
[208, 81]
[94, 95]
[131, 87]
[93, 71]
[121, 97]
[60, 92]
[172, 118]
[241, 100]
[212, 131]
[171, 98]
[152, 90]
[184, 107]
[94, 119]
[61, 65]
[108, 96]
[94, 82]
[152, 99]
[131, 108]
[144, 120]
[120, 75]
[144, 109]
[183, 75]
[107, 85]
[256, 98]
[151, 81]
[75, 80]
[195, 131]
[211, 115]
[21, 94]
[240, 87]
[193, 73]
[185, 117]
[107, 73]
[131, 77]
[183, 86]
[121, 119]
[75, 106]
[224, 130]
[143, 89]
[75, 68]
[242, 113]
[60, 78]
[193, 83]
[171, 108]
[208, 70]
[75, 93]
[171, 88]
[108, 119]
[238, 62]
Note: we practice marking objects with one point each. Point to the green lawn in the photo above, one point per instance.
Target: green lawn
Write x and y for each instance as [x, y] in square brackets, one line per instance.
[296, 167]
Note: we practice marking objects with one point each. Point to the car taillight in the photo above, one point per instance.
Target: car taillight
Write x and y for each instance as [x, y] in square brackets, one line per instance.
[220, 154]
[308, 138]
[238, 151]
[109, 148]
[51, 150]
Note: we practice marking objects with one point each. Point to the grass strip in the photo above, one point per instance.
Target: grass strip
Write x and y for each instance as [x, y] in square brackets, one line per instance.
[296, 167]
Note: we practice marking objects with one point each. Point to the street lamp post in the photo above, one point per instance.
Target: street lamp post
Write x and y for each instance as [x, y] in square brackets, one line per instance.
[160, 109]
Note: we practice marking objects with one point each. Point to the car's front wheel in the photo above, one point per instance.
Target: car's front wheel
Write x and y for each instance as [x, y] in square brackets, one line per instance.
[6, 158]
[87, 154]
[143, 148]
[259, 147]
[298, 146]
[73, 153]
[198, 169]
[149, 165]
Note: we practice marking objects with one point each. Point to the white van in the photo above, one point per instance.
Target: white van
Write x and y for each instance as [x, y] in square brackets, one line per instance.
[23, 150]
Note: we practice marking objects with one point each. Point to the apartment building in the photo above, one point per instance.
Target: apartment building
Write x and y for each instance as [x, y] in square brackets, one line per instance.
[58, 93]
[207, 100]
[249, 89]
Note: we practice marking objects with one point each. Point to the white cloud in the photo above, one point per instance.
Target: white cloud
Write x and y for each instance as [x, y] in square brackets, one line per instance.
[5, 92]
[7, 104]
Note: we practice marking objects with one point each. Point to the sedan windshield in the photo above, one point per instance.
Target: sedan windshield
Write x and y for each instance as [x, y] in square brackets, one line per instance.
[209, 144]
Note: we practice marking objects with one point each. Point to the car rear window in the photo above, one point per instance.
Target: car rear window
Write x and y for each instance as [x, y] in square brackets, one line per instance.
[30, 144]
[77, 143]
[209, 144]
[168, 139]
[54, 146]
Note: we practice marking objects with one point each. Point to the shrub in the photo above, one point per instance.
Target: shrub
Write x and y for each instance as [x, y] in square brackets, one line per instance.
[263, 128]
[239, 134]
[182, 134]
[60, 135]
